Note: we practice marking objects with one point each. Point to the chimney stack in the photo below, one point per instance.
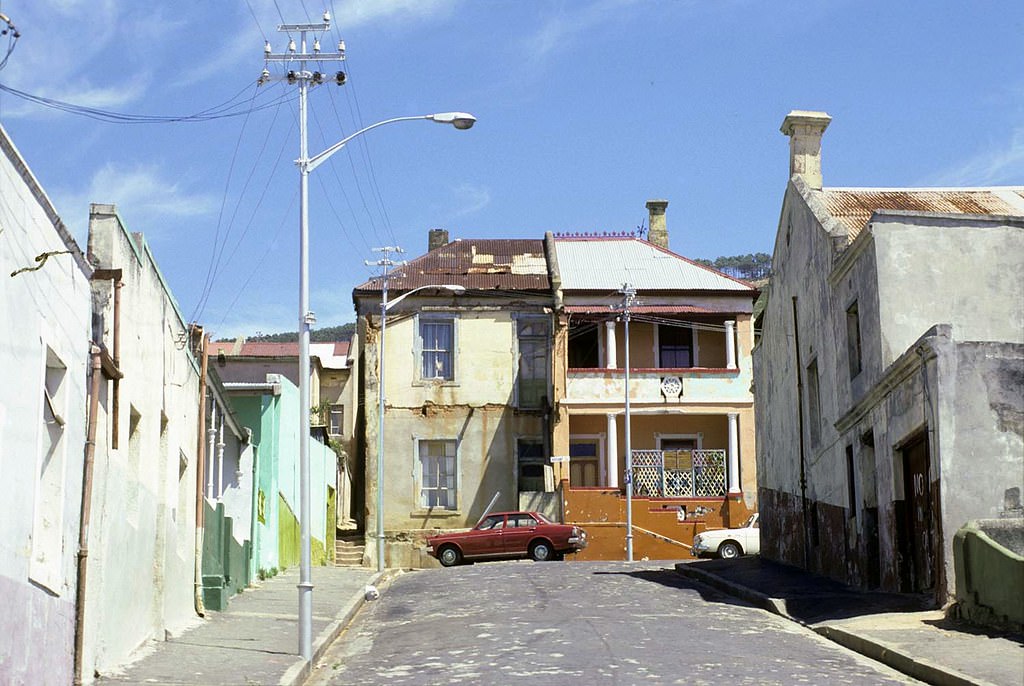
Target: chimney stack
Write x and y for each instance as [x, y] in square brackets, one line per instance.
[436, 238]
[657, 232]
[805, 130]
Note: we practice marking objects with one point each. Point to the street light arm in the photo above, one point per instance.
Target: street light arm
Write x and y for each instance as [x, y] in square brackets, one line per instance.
[316, 160]
[458, 290]
[460, 120]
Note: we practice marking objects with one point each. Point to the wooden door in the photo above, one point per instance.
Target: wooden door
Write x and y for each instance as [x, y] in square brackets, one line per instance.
[917, 539]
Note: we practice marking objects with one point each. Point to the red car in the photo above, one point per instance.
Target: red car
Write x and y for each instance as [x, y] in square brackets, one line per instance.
[508, 535]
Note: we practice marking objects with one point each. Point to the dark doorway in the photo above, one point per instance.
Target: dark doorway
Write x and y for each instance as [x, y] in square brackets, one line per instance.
[916, 535]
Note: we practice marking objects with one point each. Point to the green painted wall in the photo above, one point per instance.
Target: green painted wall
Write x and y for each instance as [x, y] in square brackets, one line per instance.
[225, 560]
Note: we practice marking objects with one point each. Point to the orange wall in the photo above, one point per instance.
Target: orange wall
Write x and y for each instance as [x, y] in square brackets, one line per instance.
[602, 513]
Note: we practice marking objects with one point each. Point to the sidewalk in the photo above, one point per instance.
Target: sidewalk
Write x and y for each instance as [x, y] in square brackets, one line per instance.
[255, 641]
[896, 629]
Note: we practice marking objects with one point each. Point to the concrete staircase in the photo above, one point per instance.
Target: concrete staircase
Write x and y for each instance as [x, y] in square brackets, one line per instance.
[348, 549]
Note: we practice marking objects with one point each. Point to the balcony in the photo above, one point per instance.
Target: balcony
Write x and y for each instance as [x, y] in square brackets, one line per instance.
[679, 473]
[670, 385]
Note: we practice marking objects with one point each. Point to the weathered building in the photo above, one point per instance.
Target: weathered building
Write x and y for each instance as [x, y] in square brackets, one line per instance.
[333, 396]
[691, 417]
[888, 373]
[466, 386]
[270, 408]
[142, 563]
[45, 304]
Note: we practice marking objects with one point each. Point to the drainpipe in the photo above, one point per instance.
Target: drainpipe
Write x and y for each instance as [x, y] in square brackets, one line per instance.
[200, 469]
[220, 454]
[800, 421]
[83, 530]
[211, 448]
[116, 403]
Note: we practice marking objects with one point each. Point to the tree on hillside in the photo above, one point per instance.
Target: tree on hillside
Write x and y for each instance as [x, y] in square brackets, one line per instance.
[751, 267]
[325, 335]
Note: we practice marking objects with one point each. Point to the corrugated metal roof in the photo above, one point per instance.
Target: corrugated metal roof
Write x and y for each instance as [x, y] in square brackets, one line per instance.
[332, 354]
[853, 206]
[479, 264]
[604, 264]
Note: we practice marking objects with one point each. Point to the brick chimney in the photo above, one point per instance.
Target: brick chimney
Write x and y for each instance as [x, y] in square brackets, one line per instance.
[436, 238]
[805, 130]
[657, 232]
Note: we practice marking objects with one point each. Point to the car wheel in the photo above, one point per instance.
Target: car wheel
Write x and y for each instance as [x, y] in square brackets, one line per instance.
[541, 551]
[729, 550]
[449, 556]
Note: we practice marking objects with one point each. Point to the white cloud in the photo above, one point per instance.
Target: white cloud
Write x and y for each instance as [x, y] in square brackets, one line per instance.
[558, 32]
[349, 13]
[144, 196]
[1003, 164]
[470, 198]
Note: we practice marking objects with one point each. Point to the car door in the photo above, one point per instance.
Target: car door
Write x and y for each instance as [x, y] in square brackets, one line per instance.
[518, 533]
[486, 538]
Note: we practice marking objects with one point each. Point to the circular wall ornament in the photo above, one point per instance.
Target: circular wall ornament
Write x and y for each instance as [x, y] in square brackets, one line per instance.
[671, 386]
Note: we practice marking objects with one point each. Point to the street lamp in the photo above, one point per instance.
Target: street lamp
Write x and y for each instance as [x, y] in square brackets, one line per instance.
[384, 307]
[304, 78]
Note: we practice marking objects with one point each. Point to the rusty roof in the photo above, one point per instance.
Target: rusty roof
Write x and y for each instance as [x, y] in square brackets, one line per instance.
[510, 264]
[651, 309]
[853, 207]
[287, 349]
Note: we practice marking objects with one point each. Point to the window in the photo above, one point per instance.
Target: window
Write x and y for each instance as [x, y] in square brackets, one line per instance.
[853, 339]
[336, 420]
[492, 522]
[813, 403]
[675, 346]
[533, 361]
[437, 475]
[48, 515]
[437, 348]
[531, 464]
[584, 346]
[851, 484]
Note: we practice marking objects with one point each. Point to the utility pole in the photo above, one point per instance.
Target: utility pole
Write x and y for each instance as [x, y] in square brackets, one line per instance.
[628, 296]
[296, 59]
[385, 263]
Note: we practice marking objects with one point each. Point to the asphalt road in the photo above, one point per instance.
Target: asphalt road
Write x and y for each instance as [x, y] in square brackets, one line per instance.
[578, 623]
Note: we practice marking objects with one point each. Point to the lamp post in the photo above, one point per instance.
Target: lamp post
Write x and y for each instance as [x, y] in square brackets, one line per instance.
[384, 307]
[628, 296]
[304, 78]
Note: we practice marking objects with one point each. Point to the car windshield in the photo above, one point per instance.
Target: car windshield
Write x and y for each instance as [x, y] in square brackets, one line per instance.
[752, 522]
[543, 519]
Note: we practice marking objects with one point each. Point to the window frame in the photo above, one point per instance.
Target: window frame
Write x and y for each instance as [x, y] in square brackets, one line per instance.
[418, 350]
[418, 481]
[693, 344]
[545, 347]
[813, 403]
[340, 408]
[854, 345]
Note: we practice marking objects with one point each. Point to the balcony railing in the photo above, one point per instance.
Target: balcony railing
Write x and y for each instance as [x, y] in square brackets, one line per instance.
[679, 473]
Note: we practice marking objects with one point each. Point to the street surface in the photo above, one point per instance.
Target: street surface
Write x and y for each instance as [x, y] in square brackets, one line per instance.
[578, 623]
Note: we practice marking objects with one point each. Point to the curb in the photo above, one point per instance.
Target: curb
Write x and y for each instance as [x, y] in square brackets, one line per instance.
[756, 598]
[299, 672]
[918, 668]
[921, 669]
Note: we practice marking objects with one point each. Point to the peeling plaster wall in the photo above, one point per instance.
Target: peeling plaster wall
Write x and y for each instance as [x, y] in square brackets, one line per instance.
[802, 261]
[477, 410]
[142, 539]
[45, 308]
[906, 385]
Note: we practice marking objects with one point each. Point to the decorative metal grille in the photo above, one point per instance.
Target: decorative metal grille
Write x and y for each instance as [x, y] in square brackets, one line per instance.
[693, 474]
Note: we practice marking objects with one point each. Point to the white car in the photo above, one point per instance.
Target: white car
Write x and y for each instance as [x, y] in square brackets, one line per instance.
[729, 543]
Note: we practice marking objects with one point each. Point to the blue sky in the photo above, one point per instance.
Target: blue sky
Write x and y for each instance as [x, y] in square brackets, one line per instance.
[586, 110]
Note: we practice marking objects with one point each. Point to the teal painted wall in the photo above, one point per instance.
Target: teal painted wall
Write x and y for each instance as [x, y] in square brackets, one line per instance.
[226, 569]
[275, 424]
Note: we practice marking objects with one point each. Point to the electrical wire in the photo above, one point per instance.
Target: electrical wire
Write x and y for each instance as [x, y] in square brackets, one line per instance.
[225, 110]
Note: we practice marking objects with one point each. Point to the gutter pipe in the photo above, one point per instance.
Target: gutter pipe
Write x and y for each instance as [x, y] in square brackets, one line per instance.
[86, 511]
[200, 469]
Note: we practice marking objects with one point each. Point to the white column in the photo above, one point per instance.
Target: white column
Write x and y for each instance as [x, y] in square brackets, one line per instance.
[211, 445]
[612, 450]
[730, 344]
[609, 347]
[220, 459]
[734, 453]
